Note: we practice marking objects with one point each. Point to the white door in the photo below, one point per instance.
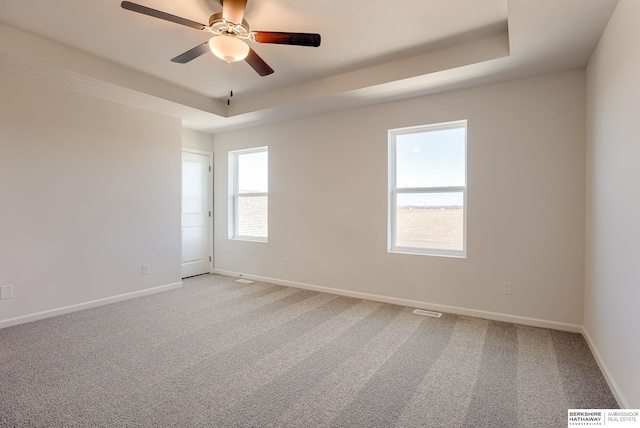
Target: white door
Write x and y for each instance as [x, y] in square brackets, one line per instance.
[196, 214]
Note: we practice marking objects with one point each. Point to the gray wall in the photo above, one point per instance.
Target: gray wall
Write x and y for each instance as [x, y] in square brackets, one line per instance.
[328, 203]
[90, 190]
[612, 291]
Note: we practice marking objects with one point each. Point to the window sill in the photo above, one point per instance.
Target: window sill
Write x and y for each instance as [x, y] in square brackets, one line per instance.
[250, 239]
[433, 253]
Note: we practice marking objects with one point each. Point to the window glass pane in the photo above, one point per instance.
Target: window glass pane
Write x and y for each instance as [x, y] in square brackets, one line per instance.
[430, 220]
[431, 158]
[253, 174]
[252, 216]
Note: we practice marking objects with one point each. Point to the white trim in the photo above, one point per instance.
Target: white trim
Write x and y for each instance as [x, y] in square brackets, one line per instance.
[433, 126]
[393, 190]
[250, 239]
[231, 200]
[199, 152]
[452, 254]
[234, 195]
[250, 150]
[87, 305]
[496, 316]
[613, 386]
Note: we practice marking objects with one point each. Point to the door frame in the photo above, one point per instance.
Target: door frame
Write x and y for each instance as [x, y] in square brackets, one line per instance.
[210, 203]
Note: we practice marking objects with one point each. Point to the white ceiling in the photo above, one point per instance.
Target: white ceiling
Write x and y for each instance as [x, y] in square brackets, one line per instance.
[371, 51]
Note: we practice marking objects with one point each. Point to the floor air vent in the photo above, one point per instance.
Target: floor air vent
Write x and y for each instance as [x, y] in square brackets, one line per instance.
[427, 313]
[244, 281]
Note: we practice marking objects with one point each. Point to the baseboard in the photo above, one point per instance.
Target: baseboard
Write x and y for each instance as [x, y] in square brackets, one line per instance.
[622, 402]
[86, 305]
[496, 316]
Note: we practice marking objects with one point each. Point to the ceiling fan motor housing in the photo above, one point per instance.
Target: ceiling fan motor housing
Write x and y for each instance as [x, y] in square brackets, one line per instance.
[219, 25]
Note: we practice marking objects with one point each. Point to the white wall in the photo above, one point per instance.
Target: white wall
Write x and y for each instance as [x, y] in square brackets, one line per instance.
[197, 140]
[328, 202]
[89, 191]
[612, 291]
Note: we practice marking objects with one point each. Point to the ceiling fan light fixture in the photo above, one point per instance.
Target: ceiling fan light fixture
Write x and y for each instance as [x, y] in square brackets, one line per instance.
[228, 48]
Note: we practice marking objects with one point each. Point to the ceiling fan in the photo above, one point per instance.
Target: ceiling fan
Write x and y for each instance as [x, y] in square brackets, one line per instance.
[229, 31]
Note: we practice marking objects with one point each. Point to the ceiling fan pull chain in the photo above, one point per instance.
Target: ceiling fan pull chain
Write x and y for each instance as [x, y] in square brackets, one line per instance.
[230, 91]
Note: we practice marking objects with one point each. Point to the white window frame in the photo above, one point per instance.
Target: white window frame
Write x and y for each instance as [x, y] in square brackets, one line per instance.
[234, 195]
[394, 191]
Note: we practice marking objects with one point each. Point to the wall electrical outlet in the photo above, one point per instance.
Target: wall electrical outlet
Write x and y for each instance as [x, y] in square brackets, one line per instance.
[506, 287]
[145, 269]
[285, 263]
[6, 292]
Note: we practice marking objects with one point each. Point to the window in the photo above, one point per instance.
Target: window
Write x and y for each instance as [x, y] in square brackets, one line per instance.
[249, 194]
[428, 189]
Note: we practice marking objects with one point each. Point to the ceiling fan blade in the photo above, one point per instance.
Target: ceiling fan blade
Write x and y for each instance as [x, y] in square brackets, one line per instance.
[162, 15]
[258, 64]
[298, 39]
[233, 10]
[192, 54]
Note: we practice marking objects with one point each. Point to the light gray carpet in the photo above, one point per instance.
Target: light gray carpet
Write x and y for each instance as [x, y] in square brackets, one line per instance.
[218, 353]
